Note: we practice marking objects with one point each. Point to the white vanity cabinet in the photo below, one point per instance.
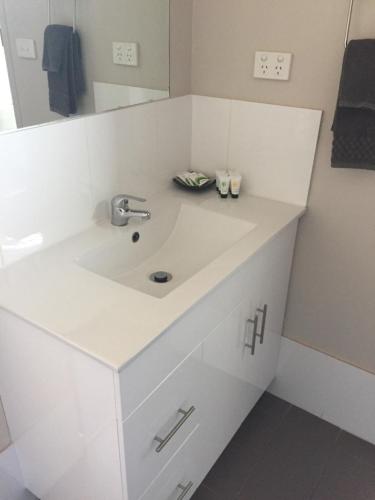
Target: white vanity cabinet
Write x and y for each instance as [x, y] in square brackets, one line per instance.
[173, 439]
[151, 431]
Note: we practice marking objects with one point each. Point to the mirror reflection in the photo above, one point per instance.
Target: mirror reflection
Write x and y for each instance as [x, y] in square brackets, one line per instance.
[63, 58]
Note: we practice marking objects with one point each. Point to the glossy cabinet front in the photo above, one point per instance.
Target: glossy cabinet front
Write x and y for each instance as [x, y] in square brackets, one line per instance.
[241, 354]
[155, 429]
[222, 379]
[183, 473]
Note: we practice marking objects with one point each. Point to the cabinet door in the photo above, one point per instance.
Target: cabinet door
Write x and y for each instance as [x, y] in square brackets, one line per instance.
[228, 365]
[268, 303]
[240, 356]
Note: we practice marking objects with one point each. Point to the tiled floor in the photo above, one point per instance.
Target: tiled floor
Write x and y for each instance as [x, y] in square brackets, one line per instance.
[284, 453]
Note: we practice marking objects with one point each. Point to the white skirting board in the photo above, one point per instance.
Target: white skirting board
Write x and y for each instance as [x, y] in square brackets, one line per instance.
[331, 389]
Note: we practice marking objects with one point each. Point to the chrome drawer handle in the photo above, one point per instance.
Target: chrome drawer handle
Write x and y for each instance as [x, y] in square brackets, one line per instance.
[251, 346]
[164, 441]
[185, 489]
[264, 312]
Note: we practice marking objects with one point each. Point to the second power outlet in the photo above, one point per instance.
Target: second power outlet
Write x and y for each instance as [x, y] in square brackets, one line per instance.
[272, 65]
[125, 53]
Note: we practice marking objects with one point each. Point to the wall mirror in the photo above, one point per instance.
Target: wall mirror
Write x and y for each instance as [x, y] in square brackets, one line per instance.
[102, 55]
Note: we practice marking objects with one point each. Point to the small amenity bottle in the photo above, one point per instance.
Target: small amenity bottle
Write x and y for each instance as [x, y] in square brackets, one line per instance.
[224, 184]
[219, 173]
[235, 184]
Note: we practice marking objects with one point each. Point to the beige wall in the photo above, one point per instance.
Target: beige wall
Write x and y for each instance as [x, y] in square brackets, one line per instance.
[332, 297]
[180, 46]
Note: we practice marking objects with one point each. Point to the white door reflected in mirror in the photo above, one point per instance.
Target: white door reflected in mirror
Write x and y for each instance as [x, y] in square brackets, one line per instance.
[7, 118]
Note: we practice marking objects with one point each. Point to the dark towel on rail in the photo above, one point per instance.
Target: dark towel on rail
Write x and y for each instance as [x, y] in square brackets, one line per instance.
[354, 123]
[63, 61]
[357, 87]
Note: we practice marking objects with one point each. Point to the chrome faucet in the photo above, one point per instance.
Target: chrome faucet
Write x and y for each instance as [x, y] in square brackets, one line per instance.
[121, 213]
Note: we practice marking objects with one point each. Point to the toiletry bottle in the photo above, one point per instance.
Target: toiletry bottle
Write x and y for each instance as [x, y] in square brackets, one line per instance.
[235, 184]
[219, 173]
[224, 184]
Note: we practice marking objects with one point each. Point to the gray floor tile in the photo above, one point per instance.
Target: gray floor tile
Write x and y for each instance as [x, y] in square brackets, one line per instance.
[283, 453]
[259, 428]
[295, 459]
[346, 478]
[204, 493]
[231, 471]
[248, 446]
[272, 404]
[357, 447]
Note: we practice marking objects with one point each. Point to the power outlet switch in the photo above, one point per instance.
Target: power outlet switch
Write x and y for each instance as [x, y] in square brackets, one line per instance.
[272, 65]
[125, 53]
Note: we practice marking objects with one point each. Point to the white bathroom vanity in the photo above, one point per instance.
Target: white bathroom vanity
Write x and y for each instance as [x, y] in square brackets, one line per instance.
[118, 388]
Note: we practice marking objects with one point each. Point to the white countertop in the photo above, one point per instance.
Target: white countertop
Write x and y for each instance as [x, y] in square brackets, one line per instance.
[109, 321]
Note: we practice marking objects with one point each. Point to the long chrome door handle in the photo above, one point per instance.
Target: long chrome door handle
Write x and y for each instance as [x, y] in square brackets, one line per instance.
[251, 346]
[164, 441]
[185, 489]
[264, 312]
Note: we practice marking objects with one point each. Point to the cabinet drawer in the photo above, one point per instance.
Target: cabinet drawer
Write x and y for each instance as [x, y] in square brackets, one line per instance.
[183, 473]
[158, 428]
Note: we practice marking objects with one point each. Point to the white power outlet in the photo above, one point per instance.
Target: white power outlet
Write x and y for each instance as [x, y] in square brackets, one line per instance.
[26, 48]
[125, 53]
[272, 65]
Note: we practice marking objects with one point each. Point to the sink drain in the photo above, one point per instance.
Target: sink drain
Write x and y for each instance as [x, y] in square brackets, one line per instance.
[161, 277]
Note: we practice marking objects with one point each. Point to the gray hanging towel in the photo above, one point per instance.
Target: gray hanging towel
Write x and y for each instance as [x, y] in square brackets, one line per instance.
[63, 61]
[354, 123]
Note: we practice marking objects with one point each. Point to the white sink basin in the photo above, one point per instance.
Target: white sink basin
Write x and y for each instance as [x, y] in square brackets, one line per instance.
[181, 247]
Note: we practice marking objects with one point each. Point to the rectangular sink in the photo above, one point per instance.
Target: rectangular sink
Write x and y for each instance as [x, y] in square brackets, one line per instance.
[179, 246]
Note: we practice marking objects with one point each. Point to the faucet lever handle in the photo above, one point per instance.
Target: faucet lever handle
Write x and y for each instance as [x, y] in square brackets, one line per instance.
[121, 200]
[135, 198]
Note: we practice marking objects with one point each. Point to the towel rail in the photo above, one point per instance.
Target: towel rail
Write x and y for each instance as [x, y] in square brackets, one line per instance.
[349, 22]
[49, 13]
[74, 14]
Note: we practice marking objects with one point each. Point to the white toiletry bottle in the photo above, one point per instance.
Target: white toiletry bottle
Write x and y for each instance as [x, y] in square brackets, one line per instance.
[224, 184]
[235, 184]
[218, 173]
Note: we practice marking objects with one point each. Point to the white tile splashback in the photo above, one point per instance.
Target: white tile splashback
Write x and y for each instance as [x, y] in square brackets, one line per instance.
[44, 187]
[56, 180]
[272, 146]
[211, 130]
[138, 150]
